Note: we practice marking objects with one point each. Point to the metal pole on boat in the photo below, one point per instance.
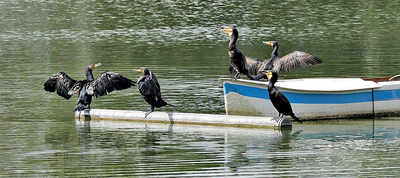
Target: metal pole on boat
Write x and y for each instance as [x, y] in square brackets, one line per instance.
[373, 114]
[373, 104]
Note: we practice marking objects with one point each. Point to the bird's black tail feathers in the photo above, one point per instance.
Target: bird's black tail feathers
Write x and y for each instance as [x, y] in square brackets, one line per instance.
[171, 105]
[295, 118]
[160, 103]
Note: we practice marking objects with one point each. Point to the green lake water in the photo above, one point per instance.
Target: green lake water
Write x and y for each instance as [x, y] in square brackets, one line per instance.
[181, 41]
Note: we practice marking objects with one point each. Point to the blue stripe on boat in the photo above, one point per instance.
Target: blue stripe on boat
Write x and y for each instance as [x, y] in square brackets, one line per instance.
[382, 95]
[305, 98]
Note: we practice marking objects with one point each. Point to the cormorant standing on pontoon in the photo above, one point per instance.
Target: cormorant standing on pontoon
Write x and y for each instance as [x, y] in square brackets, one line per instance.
[150, 89]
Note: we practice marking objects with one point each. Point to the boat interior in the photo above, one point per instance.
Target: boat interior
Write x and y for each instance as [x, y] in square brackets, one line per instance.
[383, 79]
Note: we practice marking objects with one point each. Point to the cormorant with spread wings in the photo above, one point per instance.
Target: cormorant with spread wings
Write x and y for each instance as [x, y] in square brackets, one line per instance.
[105, 83]
[255, 69]
[293, 60]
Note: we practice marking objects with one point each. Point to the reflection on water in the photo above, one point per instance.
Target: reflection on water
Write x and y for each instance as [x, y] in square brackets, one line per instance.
[108, 148]
[182, 43]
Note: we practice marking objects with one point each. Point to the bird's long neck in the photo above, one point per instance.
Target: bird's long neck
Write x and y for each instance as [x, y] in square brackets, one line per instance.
[275, 51]
[89, 74]
[149, 75]
[274, 56]
[232, 41]
[272, 81]
[271, 85]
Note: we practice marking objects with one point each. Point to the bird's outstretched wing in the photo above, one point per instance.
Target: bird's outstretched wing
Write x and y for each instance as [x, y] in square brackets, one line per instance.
[107, 82]
[76, 88]
[60, 83]
[295, 59]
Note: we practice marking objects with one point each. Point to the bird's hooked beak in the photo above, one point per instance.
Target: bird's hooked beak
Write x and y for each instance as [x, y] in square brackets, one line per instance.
[269, 75]
[97, 65]
[140, 70]
[269, 43]
[228, 30]
[94, 66]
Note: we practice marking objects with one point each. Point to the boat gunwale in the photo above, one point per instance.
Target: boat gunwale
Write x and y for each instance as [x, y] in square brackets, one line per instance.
[263, 84]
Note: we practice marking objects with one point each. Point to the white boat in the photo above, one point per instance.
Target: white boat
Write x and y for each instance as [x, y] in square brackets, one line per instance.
[316, 98]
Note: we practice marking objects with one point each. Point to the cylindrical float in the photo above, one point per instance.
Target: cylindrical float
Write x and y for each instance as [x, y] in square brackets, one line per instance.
[184, 118]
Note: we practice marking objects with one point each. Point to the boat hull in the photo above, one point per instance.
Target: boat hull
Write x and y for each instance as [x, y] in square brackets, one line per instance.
[387, 98]
[243, 97]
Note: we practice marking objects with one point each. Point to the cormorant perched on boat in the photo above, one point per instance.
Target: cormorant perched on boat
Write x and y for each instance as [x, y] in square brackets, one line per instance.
[105, 83]
[150, 89]
[280, 102]
[240, 64]
[255, 68]
[286, 63]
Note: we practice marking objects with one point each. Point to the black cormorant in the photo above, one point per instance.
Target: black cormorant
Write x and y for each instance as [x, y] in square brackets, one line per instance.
[280, 102]
[286, 63]
[255, 68]
[240, 64]
[150, 89]
[105, 83]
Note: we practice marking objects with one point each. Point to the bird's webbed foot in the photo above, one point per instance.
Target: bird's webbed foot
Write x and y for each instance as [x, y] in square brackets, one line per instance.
[148, 112]
[236, 76]
[234, 70]
[80, 107]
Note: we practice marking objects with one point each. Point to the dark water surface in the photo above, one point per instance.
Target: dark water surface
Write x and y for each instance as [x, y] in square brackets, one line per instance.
[183, 44]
